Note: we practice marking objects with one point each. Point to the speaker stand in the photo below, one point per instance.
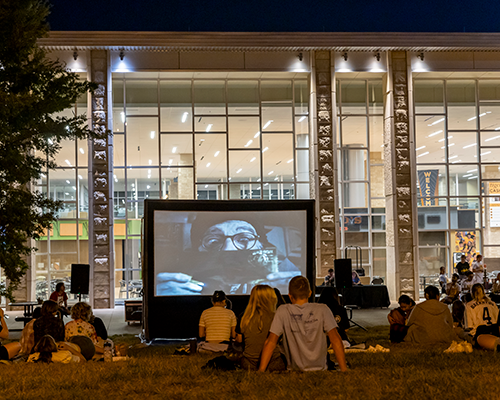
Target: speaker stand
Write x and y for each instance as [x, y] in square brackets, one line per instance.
[350, 308]
[80, 298]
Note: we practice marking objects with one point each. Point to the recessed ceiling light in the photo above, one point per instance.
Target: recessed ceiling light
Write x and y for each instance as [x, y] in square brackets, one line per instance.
[253, 159]
[216, 153]
[267, 124]
[265, 149]
[174, 149]
[184, 117]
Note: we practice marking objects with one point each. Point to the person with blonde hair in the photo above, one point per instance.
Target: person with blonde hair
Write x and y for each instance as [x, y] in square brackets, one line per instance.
[254, 327]
[482, 320]
[80, 330]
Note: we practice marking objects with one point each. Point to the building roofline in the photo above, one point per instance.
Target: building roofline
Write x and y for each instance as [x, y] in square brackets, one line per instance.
[270, 41]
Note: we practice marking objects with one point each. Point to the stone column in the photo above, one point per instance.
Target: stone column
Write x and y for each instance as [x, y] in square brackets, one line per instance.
[399, 188]
[100, 190]
[322, 112]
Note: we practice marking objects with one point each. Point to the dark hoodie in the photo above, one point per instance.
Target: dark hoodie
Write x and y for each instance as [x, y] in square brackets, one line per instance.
[430, 322]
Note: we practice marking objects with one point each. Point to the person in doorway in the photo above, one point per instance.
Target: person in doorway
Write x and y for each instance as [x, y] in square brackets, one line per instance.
[304, 327]
[61, 298]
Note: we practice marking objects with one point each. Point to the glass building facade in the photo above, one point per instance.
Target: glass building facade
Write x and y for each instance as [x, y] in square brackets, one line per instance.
[242, 124]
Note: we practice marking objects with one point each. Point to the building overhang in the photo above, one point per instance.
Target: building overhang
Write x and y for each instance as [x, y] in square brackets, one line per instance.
[270, 41]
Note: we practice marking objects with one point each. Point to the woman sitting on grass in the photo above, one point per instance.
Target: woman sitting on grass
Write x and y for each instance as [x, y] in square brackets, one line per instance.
[254, 328]
[482, 319]
[397, 318]
[47, 351]
[81, 332]
[49, 323]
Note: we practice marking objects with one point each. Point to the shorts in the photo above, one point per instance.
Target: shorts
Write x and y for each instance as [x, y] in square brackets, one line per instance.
[486, 330]
[85, 344]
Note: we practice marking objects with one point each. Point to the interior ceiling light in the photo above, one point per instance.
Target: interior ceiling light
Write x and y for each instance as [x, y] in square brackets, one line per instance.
[256, 135]
[249, 143]
[83, 151]
[209, 127]
[253, 159]
[241, 169]
[265, 149]
[469, 145]
[420, 148]
[289, 161]
[184, 117]
[267, 124]
[302, 118]
[216, 153]
[493, 138]
[436, 122]
[435, 133]
[152, 134]
[174, 149]
[208, 165]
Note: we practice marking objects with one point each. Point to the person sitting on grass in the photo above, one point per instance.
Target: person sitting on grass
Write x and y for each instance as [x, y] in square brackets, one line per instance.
[100, 328]
[430, 322]
[49, 323]
[47, 351]
[467, 286]
[304, 327]
[28, 335]
[330, 297]
[217, 325]
[9, 350]
[398, 317]
[61, 298]
[452, 290]
[254, 327]
[482, 320]
[495, 290]
[80, 332]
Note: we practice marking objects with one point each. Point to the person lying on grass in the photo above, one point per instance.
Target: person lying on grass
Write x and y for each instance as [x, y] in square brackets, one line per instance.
[430, 322]
[47, 351]
[398, 317]
[80, 326]
[254, 327]
[304, 327]
[482, 320]
[217, 325]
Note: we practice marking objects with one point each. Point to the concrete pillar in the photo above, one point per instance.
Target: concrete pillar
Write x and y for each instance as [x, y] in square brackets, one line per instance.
[402, 274]
[322, 139]
[101, 255]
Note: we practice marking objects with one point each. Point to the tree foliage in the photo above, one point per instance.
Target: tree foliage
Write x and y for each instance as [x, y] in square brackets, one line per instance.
[33, 89]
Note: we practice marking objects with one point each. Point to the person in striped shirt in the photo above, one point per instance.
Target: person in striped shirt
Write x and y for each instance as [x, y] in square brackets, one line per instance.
[217, 325]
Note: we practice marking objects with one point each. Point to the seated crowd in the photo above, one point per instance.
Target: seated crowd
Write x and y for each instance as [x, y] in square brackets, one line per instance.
[47, 339]
[460, 311]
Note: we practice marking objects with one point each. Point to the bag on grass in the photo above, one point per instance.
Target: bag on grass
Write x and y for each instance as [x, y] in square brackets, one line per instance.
[222, 363]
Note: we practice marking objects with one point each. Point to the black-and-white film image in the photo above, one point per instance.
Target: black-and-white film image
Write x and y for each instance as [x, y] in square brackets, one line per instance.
[200, 252]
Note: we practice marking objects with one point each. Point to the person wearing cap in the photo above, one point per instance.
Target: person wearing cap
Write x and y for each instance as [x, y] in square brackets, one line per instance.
[217, 325]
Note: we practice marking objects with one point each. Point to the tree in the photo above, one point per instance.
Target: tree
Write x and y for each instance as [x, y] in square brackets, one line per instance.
[33, 89]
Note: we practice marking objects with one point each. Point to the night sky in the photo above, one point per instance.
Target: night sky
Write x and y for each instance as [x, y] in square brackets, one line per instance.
[276, 15]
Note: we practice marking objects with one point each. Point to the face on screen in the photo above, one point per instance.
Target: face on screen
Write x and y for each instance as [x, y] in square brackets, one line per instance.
[200, 252]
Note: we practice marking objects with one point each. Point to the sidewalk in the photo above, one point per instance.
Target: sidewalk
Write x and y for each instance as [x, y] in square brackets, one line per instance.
[114, 320]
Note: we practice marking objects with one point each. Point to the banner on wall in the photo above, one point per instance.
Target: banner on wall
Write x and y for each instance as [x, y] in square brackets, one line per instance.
[494, 204]
[428, 182]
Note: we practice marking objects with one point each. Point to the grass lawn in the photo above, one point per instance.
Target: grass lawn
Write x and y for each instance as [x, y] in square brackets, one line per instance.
[404, 373]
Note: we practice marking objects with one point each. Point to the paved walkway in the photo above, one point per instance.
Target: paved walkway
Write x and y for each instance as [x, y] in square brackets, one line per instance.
[114, 319]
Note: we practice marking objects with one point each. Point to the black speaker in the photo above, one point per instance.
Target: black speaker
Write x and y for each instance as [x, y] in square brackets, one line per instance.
[80, 277]
[343, 273]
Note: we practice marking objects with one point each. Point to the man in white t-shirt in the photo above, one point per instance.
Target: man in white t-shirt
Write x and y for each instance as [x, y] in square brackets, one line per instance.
[304, 327]
[217, 325]
[478, 268]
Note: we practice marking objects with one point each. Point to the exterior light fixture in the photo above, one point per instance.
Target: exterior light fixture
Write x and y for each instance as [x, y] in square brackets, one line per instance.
[377, 55]
[75, 55]
[122, 54]
[420, 56]
[300, 56]
[344, 56]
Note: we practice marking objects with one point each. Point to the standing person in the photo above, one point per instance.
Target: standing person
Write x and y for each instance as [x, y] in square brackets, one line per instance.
[398, 317]
[49, 323]
[217, 325]
[304, 327]
[430, 322]
[482, 320]
[443, 279]
[330, 278]
[478, 268]
[254, 327]
[462, 267]
[61, 298]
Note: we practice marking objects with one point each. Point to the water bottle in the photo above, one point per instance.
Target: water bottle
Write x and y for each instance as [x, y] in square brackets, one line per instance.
[108, 351]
